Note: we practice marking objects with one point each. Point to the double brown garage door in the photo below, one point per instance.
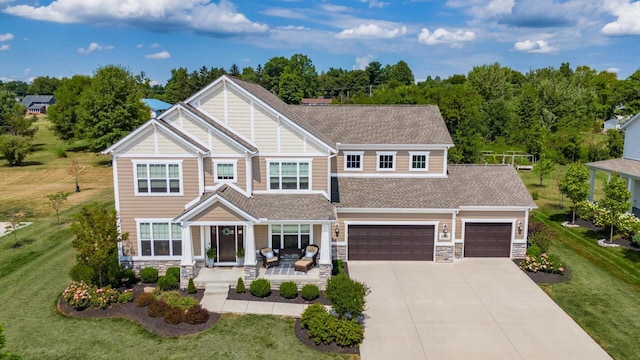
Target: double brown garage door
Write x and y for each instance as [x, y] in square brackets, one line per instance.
[487, 239]
[391, 242]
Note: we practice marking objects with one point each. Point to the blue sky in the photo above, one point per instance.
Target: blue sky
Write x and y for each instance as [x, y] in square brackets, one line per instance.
[438, 38]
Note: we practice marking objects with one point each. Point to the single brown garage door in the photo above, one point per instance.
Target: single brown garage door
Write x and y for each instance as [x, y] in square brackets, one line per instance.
[391, 242]
[487, 240]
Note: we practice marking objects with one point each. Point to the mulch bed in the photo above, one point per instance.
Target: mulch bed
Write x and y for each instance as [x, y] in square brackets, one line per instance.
[626, 243]
[545, 278]
[303, 335]
[274, 297]
[139, 314]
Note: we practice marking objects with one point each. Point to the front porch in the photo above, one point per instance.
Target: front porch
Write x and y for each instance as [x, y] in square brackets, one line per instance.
[228, 276]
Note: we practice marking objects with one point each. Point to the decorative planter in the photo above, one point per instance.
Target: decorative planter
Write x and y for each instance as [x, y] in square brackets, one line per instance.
[240, 261]
[209, 262]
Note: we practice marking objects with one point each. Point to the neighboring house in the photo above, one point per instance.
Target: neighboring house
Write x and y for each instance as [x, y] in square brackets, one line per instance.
[316, 101]
[37, 104]
[628, 167]
[157, 106]
[235, 167]
[611, 124]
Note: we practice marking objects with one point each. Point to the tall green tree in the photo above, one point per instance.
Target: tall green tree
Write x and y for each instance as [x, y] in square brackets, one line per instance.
[291, 88]
[401, 73]
[43, 85]
[96, 242]
[12, 113]
[543, 168]
[64, 113]
[491, 81]
[110, 107]
[615, 143]
[302, 66]
[614, 203]
[272, 71]
[575, 185]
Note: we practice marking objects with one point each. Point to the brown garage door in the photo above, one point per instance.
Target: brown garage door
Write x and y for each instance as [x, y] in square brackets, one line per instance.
[390, 242]
[487, 240]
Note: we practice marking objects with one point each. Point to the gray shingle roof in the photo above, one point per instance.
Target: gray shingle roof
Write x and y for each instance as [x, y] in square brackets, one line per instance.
[621, 166]
[40, 99]
[467, 185]
[379, 124]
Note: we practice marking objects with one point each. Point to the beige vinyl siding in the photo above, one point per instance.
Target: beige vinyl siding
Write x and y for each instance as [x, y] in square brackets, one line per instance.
[499, 216]
[444, 218]
[168, 146]
[218, 212]
[147, 145]
[195, 241]
[195, 128]
[155, 142]
[238, 113]
[152, 207]
[261, 233]
[241, 168]
[319, 180]
[402, 163]
[265, 131]
[290, 142]
[213, 103]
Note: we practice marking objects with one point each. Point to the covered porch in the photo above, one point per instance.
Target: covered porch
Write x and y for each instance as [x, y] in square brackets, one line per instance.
[627, 169]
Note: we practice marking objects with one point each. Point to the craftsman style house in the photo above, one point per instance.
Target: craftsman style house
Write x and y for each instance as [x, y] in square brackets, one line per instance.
[233, 167]
[628, 167]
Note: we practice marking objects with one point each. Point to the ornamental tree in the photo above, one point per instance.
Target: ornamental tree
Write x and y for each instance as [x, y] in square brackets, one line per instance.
[615, 202]
[575, 185]
[56, 200]
[543, 168]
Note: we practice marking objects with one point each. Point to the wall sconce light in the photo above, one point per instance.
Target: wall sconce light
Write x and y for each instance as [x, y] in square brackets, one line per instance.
[520, 227]
[337, 229]
[444, 229]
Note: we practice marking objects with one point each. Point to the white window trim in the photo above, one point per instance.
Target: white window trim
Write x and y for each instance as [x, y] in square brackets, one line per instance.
[419, 153]
[139, 240]
[382, 153]
[153, 162]
[356, 153]
[281, 245]
[297, 161]
[235, 171]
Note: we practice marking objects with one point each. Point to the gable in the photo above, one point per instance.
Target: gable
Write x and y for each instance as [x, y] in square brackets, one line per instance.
[156, 142]
[218, 212]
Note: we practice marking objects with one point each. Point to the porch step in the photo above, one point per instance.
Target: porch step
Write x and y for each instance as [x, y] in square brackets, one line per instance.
[216, 288]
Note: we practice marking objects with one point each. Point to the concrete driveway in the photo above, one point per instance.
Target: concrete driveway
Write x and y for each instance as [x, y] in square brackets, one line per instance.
[471, 309]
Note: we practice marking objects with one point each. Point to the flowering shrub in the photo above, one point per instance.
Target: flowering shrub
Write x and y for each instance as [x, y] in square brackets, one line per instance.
[586, 210]
[126, 296]
[103, 297]
[626, 224]
[542, 263]
[78, 295]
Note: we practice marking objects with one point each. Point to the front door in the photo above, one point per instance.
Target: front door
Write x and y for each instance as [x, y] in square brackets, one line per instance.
[226, 243]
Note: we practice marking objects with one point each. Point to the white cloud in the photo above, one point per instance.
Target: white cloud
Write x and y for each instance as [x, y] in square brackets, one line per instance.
[160, 55]
[613, 70]
[139, 46]
[483, 9]
[362, 62]
[375, 3]
[154, 45]
[534, 46]
[94, 47]
[190, 15]
[372, 31]
[6, 37]
[442, 36]
[628, 14]
[4, 47]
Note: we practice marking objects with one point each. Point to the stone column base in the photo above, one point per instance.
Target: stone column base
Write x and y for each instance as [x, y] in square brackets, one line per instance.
[457, 252]
[444, 254]
[186, 272]
[518, 250]
[250, 272]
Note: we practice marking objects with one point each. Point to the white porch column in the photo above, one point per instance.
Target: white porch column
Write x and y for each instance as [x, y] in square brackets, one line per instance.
[325, 245]
[250, 245]
[187, 246]
[592, 179]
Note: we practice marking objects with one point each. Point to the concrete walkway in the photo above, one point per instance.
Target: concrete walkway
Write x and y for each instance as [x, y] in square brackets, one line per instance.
[471, 309]
[215, 300]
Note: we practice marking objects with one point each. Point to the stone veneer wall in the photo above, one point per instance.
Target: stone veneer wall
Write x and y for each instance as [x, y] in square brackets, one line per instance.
[162, 266]
[444, 253]
[457, 252]
[250, 273]
[339, 252]
[187, 272]
[518, 250]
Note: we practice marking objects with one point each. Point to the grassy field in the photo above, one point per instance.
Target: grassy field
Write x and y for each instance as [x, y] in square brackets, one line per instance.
[603, 295]
[33, 276]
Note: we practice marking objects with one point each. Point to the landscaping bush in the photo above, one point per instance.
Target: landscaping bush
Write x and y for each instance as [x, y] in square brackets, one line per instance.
[324, 328]
[145, 299]
[636, 239]
[125, 297]
[260, 288]
[338, 267]
[540, 239]
[103, 297]
[534, 250]
[542, 263]
[191, 288]
[157, 308]
[348, 333]
[167, 282]
[149, 275]
[83, 273]
[173, 315]
[196, 315]
[176, 299]
[310, 292]
[78, 295]
[288, 290]
[586, 210]
[127, 277]
[346, 296]
[173, 271]
[240, 289]
[628, 225]
[535, 195]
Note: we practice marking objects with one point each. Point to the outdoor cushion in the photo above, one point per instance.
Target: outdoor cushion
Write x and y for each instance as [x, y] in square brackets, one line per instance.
[269, 255]
[310, 254]
[272, 259]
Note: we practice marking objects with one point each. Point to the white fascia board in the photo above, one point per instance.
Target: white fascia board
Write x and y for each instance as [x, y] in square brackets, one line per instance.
[393, 147]
[497, 208]
[396, 210]
[206, 89]
[130, 136]
[293, 221]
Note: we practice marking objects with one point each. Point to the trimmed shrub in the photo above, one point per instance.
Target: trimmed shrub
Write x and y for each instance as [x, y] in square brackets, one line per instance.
[149, 275]
[167, 282]
[191, 288]
[173, 315]
[346, 296]
[535, 195]
[636, 239]
[260, 288]
[83, 273]
[534, 250]
[157, 308]
[128, 277]
[324, 328]
[173, 271]
[196, 315]
[310, 292]
[348, 333]
[312, 311]
[176, 299]
[288, 290]
[240, 289]
[125, 297]
[338, 267]
[145, 299]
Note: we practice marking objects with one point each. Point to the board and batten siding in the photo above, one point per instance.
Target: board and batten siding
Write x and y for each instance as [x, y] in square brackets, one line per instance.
[403, 163]
[134, 207]
[155, 142]
[498, 216]
[632, 141]
[319, 180]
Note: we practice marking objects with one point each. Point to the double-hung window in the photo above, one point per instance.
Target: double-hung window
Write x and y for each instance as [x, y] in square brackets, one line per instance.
[386, 161]
[288, 175]
[353, 160]
[160, 239]
[158, 178]
[225, 171]
[290, 236]
[419, 161]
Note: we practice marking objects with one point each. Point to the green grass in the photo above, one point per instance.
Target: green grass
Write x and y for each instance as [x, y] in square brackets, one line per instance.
[603, 295]
[33, 276]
